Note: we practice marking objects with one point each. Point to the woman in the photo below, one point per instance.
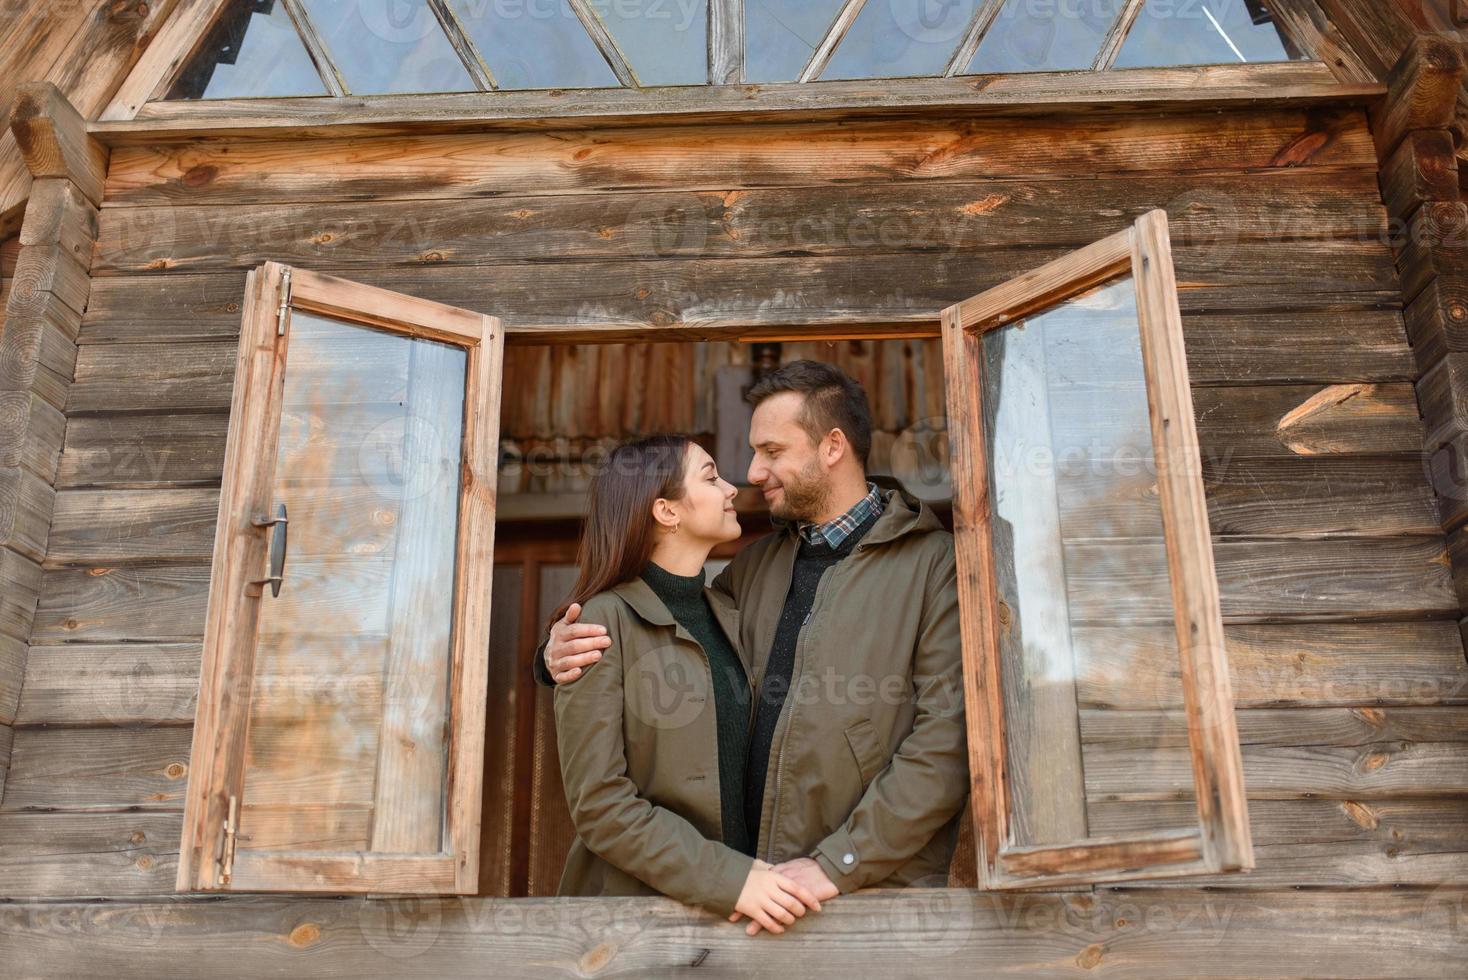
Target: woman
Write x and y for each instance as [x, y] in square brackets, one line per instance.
[652, 738]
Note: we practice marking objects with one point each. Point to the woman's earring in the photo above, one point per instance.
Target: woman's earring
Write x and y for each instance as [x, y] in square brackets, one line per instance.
[675, 527]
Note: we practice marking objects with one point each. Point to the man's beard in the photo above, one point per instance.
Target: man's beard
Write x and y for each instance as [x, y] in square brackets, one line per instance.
[806, 498]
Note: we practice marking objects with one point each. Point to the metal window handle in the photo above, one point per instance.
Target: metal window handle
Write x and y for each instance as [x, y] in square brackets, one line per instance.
[279, 541]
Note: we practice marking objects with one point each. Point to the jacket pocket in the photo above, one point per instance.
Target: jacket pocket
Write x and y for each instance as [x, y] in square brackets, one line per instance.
[870, 758]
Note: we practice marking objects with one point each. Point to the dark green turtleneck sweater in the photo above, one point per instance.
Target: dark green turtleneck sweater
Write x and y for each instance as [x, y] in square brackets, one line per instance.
[685, 599]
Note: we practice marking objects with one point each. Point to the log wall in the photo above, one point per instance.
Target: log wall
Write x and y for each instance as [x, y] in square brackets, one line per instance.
[1342, 616]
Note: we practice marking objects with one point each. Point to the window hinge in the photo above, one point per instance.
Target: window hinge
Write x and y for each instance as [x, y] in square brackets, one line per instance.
[285, 303]
[231, 834]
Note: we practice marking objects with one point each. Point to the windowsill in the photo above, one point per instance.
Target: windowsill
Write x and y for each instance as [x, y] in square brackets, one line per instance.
[1276, 84]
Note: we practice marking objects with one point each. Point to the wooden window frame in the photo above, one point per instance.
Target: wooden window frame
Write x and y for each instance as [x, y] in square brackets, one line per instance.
[216, 773]
[1221, 842]
[165, 59]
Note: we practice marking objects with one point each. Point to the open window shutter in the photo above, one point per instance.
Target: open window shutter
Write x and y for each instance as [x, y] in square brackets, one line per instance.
[1084, 556]
[339, 738]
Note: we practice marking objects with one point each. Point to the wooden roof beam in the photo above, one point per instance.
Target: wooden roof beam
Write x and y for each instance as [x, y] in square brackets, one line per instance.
[53, 139]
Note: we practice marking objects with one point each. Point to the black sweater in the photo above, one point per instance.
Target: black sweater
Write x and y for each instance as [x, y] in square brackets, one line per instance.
[684, 597]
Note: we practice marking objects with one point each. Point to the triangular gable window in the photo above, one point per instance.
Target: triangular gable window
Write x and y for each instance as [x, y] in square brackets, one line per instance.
[252, 51]
[534, 44]
[896, 40]
[275, 48]
[384, 48]
[665, 43]
[1026, 36]
[1204, 32]
[781, 35]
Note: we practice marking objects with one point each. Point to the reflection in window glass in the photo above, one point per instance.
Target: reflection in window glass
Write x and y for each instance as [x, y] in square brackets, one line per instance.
[534, 44]
[388, 46]
[781, 35]
[253, 50]
[1035, 35]
[892, 39]
[665, 41]
[359, 641]
[1202, 32]
[1080, 569]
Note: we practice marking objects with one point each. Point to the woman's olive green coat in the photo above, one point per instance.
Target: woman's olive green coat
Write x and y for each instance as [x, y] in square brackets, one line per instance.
[639, 755]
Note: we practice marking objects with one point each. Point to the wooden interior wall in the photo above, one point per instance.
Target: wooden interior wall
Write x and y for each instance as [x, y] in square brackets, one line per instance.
[84, 47]
[1347, 662]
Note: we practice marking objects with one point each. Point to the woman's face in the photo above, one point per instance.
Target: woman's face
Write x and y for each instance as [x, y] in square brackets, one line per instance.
[705, 512]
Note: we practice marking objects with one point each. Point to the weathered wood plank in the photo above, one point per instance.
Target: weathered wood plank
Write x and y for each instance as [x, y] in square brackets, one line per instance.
[906, 933]
[1319, 665]
[1422, 85]
[1186, 88]
[105, 855]
[107, 768]
[25, 511]
[1437, 320]
[678, 299]
[31, 432]
[20, 586]
[1423, 168]
[850, 219]
[1340, 727]
[122, 684]
[1380, 771]
[1435, 244]
[692, 158]
[7, 735]
[12, 674]
[1270, 580]
[1322, 843]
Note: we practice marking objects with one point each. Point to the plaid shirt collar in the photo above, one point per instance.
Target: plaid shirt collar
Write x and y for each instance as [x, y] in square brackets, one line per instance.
[835, 531]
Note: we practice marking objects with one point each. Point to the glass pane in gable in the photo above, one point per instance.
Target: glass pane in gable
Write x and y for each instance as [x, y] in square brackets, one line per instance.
[534, 44]
[897, 38]
[665, 41]
[1044, 35]
[385, 47]
[1203, 32]
[349, 709]
[781, 35]
[253, 51]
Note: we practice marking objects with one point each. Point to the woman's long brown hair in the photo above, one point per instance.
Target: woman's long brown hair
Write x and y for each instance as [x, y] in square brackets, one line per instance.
[618, 539]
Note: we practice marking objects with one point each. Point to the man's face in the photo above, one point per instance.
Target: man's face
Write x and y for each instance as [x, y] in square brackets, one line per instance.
[786, 465]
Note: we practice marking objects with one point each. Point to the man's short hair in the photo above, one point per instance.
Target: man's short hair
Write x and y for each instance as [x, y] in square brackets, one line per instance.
[833, 400]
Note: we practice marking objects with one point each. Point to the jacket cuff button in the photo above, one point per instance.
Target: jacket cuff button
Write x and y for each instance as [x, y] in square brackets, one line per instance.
[848, 858]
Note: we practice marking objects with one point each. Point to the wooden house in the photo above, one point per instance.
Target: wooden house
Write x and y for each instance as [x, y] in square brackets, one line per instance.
[318, 313]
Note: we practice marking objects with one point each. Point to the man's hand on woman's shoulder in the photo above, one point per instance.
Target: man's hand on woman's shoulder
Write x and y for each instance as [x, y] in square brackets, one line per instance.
[574, 646]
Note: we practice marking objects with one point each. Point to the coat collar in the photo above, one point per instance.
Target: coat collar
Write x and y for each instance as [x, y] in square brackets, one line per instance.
[645, 602]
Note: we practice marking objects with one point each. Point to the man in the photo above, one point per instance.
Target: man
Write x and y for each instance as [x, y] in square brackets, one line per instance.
[857, 764]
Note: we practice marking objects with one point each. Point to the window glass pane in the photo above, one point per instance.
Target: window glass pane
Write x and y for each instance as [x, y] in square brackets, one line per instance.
[895, 38]
[534, 44]
[253, 50]
[388, 46]
[1044, 35]
[1202, 32]
[350, 703]
[781, 35]
[1089, 662]
[665, 41]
